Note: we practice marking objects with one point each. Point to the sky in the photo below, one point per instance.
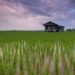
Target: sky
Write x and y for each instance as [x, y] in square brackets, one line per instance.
[32, 14]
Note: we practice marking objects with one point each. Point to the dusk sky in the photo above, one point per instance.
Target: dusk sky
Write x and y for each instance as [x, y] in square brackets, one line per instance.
[32, 14]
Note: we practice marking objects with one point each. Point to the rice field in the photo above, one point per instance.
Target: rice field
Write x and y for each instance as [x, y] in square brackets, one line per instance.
[37, 53]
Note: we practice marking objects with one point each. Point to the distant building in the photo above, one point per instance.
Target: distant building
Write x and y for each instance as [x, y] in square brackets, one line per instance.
[53, 27]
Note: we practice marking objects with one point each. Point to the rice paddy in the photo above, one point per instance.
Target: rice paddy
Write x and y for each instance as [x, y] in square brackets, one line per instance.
[37, 53]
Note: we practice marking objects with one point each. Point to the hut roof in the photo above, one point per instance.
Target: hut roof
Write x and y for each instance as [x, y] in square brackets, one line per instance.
[51, 24]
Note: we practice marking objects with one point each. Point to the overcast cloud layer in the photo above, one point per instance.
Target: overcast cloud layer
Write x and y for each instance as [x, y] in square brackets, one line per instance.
[31, 14]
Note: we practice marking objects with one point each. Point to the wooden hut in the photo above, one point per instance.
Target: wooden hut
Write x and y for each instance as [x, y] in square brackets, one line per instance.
[53, 27]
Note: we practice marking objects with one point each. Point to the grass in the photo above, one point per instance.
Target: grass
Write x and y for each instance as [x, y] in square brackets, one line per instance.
[43, 36]
[31, 53]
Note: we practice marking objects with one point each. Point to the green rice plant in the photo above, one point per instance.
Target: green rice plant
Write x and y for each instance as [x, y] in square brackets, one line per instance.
[15, 58]
[21, 63]
[47, 60]
[66, 69]
[37, 59]
[10, 60]
[1, 67]
[5, 59]
[46, 70]
[1, 62]
[70, 52]
[28, 62]
[56, 59]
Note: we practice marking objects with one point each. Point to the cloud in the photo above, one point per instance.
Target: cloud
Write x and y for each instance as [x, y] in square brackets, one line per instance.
[41, 7]
[30, 15]
[72, 3]
[73, 22]
[19, 17]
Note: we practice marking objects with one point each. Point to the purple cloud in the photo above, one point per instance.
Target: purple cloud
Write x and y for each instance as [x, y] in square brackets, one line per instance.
[30, 15]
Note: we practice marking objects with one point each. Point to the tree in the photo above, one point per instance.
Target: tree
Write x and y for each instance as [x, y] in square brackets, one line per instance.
[73, 29]
[69, 30]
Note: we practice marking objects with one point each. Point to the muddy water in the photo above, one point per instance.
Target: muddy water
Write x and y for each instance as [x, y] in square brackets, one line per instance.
[60, 64]
[61, 68]
[52, 67]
